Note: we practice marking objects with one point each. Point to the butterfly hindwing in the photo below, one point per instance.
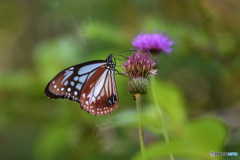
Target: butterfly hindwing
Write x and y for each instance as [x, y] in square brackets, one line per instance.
[99, 95]
[69, 83]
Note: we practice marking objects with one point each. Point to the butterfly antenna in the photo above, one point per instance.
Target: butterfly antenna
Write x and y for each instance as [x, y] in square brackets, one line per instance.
[120, 59]
[121, 73]
[131, 50]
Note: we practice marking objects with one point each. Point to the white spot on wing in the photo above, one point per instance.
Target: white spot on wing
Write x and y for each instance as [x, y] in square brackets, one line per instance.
[89, 68]
[106, 84]
[67, 74]
[55, 86]
[79, 86]
[62, 89]
[83, 95]
[92, 100]
[65, 83]
[75, 93]
[91, 93]
[72, 83]
[102, 92]
[91, 85]
[69, 89]
[76, 78]
[99, 83]
[83, 78]
[110, 85]
[91, 74]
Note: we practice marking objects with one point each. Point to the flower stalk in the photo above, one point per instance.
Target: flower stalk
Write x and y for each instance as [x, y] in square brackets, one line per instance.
[138, 66]
[140, 128]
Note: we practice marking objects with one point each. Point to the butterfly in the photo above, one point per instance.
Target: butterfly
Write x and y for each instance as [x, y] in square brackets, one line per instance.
[92, 84]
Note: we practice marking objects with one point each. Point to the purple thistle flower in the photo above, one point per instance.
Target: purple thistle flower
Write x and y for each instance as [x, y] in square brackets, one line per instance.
[138, 67]
[153, 43]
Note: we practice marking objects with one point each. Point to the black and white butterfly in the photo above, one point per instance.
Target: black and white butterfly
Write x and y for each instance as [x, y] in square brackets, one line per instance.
[92, 84]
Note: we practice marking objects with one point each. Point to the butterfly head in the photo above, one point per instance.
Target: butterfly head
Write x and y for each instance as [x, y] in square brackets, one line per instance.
[110, 63]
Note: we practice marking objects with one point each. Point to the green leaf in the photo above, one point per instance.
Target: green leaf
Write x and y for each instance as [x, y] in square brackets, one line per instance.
[55, 55]
[207, 133]
[103, 33]
[198, 139]
[170, 99]
[129, 118]
[52, 141]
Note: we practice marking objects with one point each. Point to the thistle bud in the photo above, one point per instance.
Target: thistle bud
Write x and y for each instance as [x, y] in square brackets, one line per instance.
[138, 85]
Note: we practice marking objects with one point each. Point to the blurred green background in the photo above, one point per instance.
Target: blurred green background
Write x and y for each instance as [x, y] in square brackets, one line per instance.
[197, 86]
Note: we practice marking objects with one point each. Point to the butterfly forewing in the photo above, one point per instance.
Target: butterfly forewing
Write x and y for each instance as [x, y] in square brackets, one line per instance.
[99, 95]
[69, 83]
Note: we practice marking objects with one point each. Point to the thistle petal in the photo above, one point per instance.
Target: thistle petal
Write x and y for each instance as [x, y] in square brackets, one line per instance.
[154, 43]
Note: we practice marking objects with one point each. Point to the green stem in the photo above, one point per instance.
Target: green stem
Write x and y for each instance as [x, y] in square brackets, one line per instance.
[158, 108]
[140, 128]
